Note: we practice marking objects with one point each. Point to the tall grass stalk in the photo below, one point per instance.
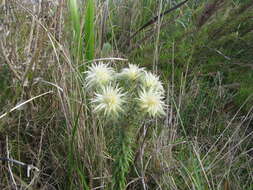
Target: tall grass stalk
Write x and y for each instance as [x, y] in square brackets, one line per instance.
[81, 49]
[75, 19]
[89, 31]
[79, 45]
[74, 157]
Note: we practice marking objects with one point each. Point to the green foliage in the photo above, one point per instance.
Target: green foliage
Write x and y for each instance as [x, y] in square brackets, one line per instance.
[245, 95]
[75, 18]
[88, 44]
[123, 156]
[204, 58]
[223, 44]
[73, 161]
[89, 30]
[5, 78]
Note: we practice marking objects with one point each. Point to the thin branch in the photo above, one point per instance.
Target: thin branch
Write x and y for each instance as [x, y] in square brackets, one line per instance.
[9, 166]
[23, 103]
[155, 19]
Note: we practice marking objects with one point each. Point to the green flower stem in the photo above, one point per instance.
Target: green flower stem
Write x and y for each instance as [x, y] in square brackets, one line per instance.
[123, 156]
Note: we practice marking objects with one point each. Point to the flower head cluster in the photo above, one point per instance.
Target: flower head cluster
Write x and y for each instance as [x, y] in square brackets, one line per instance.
[132, 73]
[109, 101]
[99, 75]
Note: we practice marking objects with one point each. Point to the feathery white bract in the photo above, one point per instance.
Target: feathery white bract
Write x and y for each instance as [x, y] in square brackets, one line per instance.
[133, 72]
[109, 101]
[151, 81]
[151, 102]
[99, 75]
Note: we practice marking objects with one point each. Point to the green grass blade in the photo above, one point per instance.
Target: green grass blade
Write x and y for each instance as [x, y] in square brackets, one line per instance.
[76, 27]
[89, 31]
[74, 16]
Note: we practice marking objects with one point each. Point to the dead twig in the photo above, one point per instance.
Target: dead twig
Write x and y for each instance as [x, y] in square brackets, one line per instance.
[9, 166]
[155, 19]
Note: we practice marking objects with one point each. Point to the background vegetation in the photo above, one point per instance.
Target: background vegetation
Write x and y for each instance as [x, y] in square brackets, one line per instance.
[203, 54]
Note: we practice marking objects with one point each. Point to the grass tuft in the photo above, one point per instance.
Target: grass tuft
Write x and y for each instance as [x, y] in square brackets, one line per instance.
[50, 118]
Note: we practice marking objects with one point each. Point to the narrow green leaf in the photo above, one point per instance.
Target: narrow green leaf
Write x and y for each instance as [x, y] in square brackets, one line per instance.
[89, 31]
[77, 30]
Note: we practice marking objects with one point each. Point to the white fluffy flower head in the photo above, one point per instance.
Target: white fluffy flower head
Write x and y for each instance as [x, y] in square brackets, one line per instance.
[109, 101]
[151, 81]
[99, 75]
[151, 102]
[133, 72]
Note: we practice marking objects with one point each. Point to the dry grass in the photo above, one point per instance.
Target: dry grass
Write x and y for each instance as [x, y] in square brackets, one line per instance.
[46, 121]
